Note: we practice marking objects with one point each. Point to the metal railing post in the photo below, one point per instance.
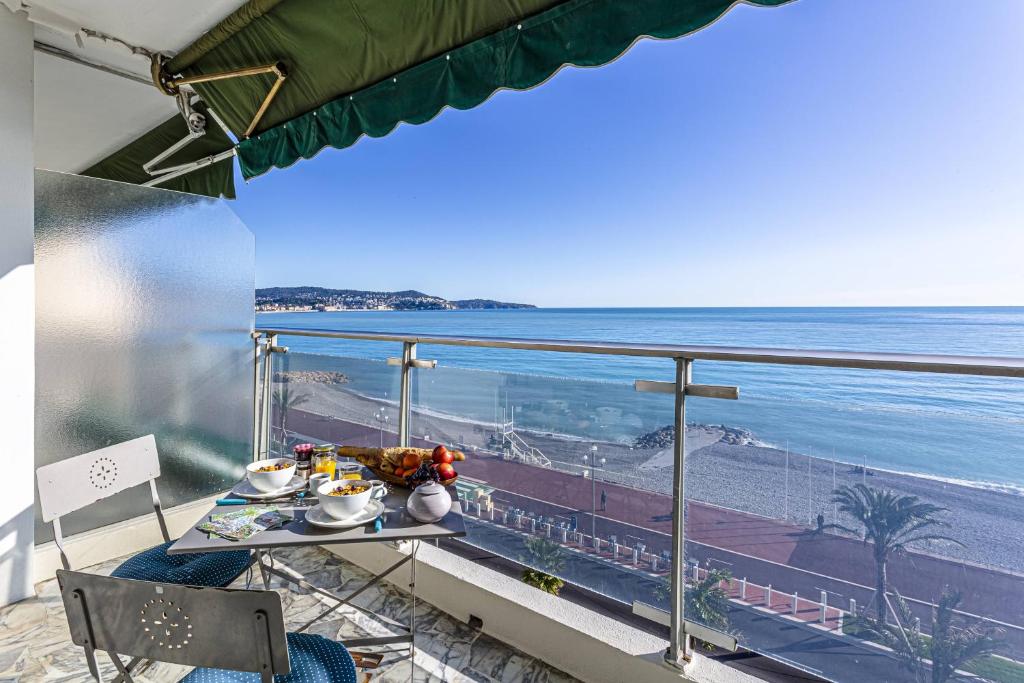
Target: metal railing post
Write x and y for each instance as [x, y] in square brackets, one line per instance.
[264, 427]
[256, 338]
[404, 399]
[677, 649]
[268, 395]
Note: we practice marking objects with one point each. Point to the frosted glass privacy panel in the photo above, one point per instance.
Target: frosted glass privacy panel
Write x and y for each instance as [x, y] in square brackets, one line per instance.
[144, 305]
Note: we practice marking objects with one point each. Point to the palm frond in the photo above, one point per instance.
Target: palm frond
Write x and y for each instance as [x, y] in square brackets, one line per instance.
[949, 648]
[540, 553]
[707, 602]
[889, 520]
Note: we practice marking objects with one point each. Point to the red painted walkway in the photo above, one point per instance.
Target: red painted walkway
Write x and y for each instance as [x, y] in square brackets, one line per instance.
[762, 549]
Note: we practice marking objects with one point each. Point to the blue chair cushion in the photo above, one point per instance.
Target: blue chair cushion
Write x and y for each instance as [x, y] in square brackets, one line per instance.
[313, 659]
[190, 569]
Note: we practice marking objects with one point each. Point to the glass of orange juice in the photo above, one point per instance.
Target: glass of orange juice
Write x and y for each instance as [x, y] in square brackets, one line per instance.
[350, 470]
[325, 463]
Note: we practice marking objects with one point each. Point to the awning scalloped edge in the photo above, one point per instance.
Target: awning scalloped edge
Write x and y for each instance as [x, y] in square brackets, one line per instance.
[577, 33]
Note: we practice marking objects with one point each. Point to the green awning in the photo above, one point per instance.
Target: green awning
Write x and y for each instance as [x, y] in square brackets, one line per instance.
[522, 55]
[331, 48]
[215, 180]
[361, 67]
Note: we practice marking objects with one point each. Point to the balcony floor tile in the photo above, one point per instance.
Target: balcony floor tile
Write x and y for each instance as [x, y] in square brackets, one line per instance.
[35, 644]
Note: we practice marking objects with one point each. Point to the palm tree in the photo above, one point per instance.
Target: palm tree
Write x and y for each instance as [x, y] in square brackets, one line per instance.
[890, 522]
[949, 647]
[285, 400]
[707, 602]
[544, 558]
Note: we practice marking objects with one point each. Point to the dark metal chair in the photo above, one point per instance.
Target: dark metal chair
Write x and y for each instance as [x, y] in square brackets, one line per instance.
[233, 635]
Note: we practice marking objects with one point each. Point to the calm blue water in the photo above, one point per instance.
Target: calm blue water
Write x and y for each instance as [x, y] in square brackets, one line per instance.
[965, 428]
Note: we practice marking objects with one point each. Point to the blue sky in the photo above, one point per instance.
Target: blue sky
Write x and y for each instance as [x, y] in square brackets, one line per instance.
[827, 152]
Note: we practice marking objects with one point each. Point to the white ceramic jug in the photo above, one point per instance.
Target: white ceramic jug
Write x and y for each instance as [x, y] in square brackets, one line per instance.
[429, 502]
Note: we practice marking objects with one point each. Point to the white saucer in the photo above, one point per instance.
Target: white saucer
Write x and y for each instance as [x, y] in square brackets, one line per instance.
[316, 516]
[244, 489]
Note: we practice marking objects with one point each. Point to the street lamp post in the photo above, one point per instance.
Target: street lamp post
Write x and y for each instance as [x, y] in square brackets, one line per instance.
[382, 420]
[593, 463]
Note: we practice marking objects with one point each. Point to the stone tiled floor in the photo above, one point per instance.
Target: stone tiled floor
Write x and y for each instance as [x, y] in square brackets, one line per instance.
[35, 645]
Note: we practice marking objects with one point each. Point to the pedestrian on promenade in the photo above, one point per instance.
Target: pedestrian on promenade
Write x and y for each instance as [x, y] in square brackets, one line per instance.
[604, 500]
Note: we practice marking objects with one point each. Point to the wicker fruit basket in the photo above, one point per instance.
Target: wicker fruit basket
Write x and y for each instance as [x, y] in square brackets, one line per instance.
[400, 481]
[383, 462]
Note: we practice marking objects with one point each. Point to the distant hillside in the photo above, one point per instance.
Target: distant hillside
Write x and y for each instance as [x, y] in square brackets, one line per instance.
[323, 299]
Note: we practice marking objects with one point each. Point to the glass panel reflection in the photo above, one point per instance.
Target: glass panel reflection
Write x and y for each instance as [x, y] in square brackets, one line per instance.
[143, 314]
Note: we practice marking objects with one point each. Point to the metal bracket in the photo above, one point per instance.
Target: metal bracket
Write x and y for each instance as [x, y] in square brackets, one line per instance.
[196, 123]
[171, 85]
[660, 616]
[702, 390]
[419, 363]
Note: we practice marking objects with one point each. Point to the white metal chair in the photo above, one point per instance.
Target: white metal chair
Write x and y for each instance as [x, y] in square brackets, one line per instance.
[77, 482]
[233, 634]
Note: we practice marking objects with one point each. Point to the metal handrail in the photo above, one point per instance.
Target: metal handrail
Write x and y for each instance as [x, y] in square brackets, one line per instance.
[997, 366]
[683, 357]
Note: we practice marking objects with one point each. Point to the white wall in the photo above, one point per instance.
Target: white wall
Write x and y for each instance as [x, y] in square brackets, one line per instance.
[17, 308]
[589, 646]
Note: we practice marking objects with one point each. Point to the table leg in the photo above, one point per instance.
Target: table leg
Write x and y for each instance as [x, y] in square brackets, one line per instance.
[267, 569]
[264, 569]
[342, 601]
[412, 624]
[129, 667]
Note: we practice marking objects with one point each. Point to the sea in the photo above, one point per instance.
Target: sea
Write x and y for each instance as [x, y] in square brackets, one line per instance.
[962, 429]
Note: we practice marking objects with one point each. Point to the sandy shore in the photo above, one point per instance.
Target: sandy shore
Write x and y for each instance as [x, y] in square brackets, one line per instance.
[743, 477]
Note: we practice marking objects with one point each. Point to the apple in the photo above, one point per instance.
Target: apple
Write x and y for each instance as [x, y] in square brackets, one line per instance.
[441, 456]
[445, 470]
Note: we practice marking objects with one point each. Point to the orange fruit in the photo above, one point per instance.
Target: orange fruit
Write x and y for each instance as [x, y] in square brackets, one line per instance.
[410, 460]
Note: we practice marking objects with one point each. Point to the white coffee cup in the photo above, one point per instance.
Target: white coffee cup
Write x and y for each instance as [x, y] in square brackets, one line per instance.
[317, 480]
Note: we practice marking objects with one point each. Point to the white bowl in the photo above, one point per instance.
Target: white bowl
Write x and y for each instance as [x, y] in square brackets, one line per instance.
[343, 507]
[270, 481]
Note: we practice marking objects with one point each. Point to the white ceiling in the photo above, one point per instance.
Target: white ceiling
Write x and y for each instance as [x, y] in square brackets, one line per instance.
[83, 114]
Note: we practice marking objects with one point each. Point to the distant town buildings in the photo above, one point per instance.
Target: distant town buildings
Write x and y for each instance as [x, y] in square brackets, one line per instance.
[322, 299]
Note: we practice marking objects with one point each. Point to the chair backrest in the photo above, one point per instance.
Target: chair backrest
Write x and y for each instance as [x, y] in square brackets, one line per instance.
[76, 482]
[241, 630]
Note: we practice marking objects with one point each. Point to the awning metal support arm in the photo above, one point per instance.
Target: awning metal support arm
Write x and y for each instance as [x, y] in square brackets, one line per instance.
[176, 171]
[171, 85]
[149, 166]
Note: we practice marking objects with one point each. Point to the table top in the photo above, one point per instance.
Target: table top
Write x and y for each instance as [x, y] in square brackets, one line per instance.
[398, 526]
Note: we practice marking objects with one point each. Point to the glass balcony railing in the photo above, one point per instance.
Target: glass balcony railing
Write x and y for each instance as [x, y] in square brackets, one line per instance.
[553, 478]
[334, 399]
[924, 478]
[573, 478]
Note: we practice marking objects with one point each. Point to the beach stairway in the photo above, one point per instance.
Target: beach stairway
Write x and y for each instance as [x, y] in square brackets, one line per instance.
[516, 449]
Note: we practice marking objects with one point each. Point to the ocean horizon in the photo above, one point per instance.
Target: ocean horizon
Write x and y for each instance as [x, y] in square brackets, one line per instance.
[960, 429]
